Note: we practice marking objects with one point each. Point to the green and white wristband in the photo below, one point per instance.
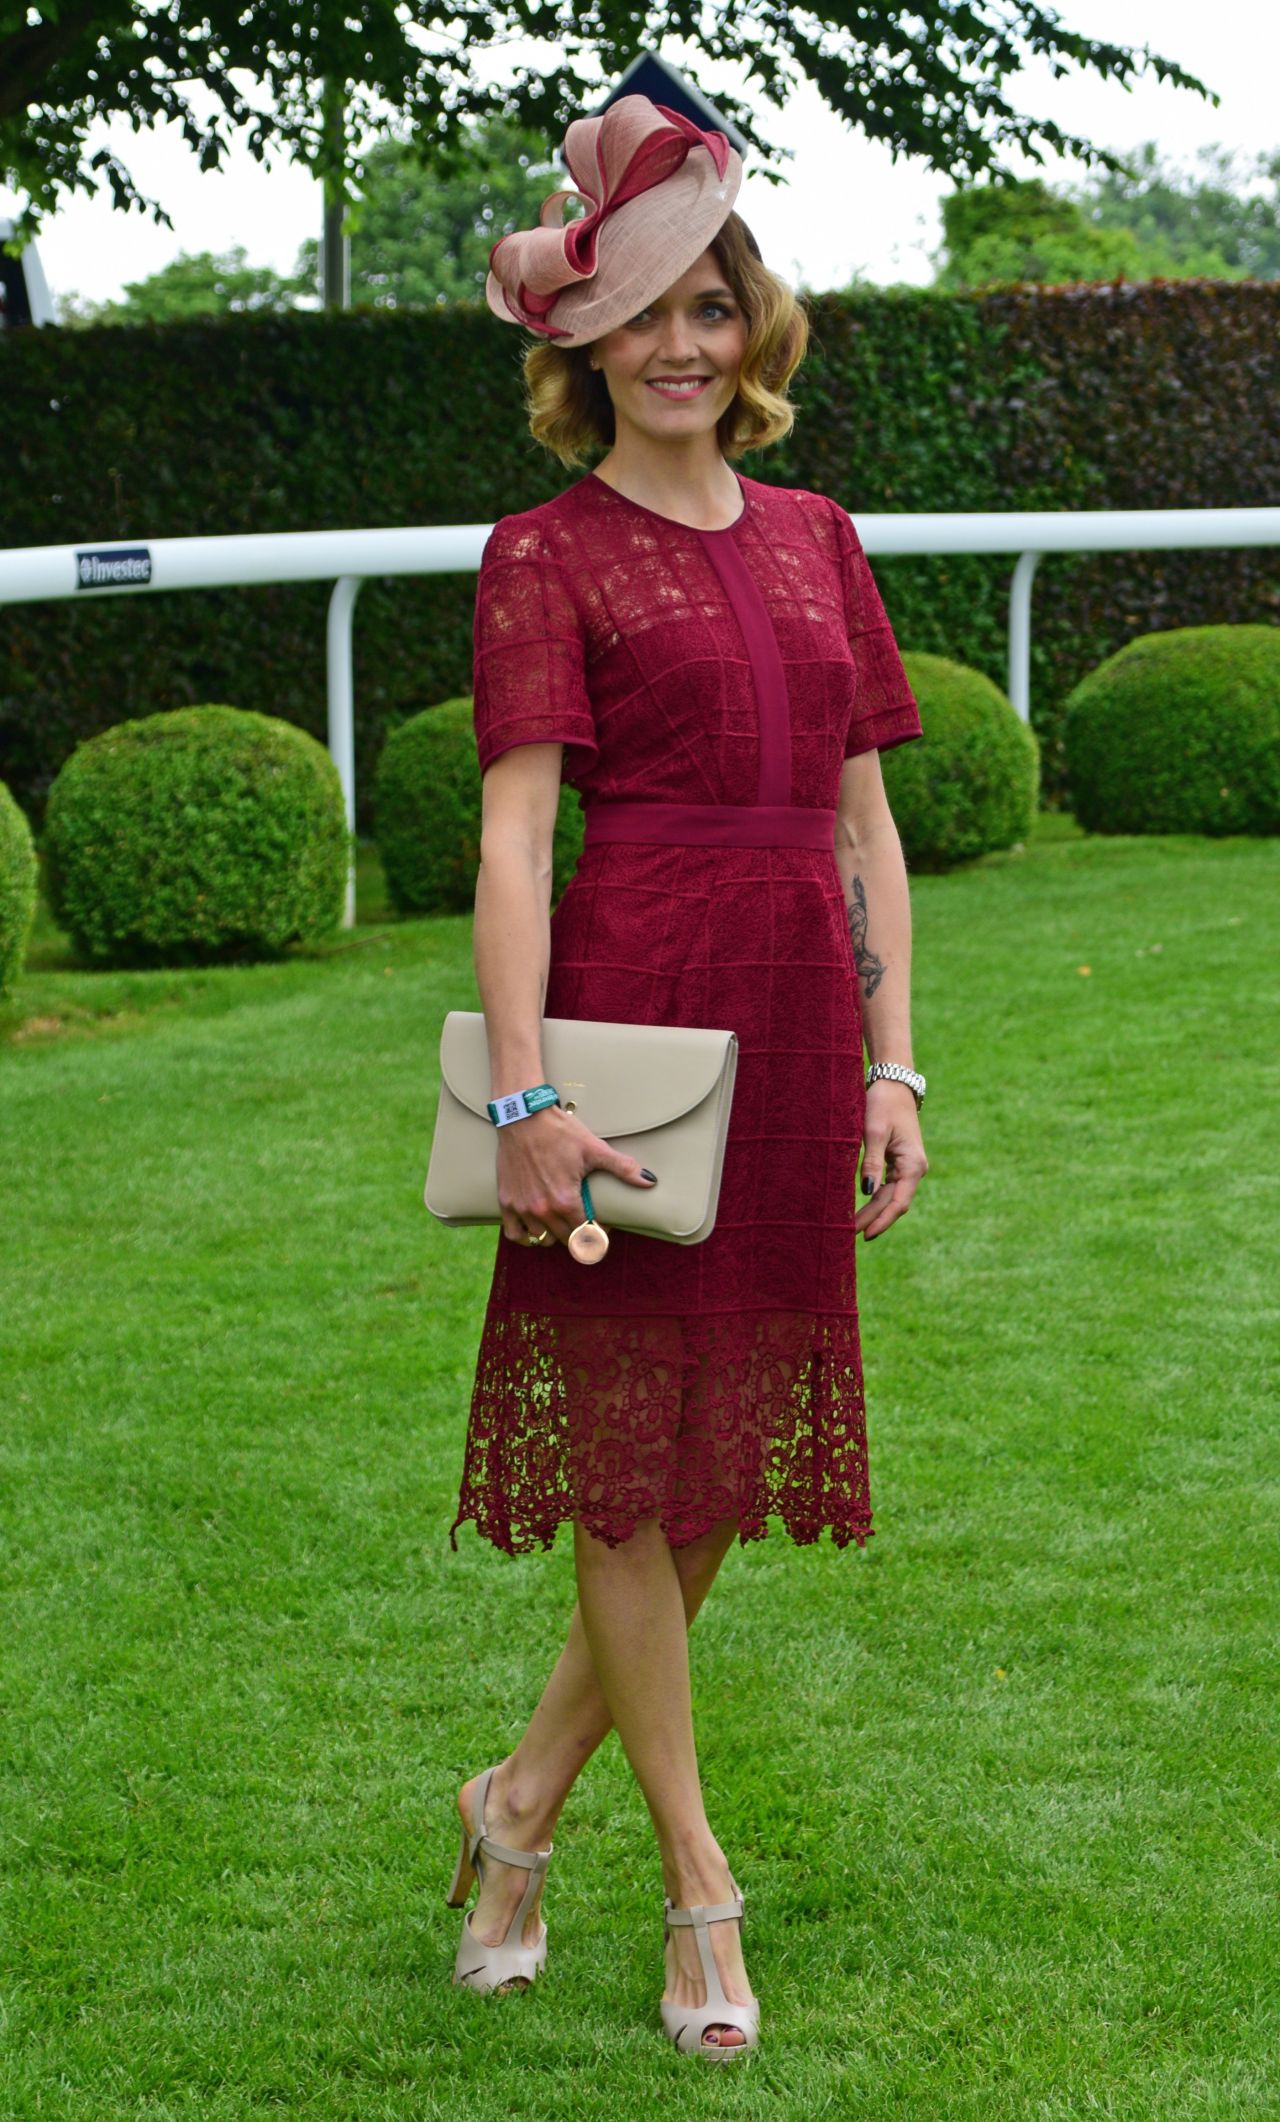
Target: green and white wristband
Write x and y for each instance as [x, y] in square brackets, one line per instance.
[522, 1103]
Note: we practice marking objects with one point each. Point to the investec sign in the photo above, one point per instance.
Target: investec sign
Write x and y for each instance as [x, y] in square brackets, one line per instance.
[119, 567]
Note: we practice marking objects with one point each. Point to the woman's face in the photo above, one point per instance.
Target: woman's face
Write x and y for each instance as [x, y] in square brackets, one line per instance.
[693, 336]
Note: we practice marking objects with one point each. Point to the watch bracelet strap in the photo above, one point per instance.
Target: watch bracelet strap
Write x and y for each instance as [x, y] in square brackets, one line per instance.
[520, 1104]
[896, 1072]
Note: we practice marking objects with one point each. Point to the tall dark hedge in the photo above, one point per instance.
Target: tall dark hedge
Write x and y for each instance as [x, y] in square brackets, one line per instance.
[1159, 395]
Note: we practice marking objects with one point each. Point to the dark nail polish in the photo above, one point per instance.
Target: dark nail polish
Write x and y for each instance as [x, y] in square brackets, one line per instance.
[648, 1175]
[868, 1185]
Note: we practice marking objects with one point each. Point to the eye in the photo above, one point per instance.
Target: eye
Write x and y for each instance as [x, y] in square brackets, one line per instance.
[721, 309]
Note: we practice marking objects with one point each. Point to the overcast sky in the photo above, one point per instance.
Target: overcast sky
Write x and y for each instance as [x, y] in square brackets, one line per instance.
[846, 207]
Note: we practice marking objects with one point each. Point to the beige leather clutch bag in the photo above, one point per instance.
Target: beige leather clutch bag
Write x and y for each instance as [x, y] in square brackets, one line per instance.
[658, 1092]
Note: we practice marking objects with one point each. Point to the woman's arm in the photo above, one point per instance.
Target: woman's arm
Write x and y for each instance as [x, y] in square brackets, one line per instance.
[540, 1160]
[873, 874]
[511, 943]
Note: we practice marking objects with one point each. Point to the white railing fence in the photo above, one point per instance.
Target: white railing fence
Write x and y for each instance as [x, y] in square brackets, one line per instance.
[138, 567]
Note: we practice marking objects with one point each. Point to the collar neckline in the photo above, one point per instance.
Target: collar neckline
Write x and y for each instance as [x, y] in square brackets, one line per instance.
[723, 530]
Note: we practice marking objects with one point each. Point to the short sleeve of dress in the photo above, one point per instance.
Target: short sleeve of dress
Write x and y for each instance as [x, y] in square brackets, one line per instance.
[529, 686]
[884, 711]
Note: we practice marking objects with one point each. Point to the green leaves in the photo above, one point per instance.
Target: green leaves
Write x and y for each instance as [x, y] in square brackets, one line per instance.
[927, 79]
[17, 889]
[203, 284]
[1013, 231]
[971, 786]
[1148, 220]
[1159, 395]
[196, 835]
[428, 805]
[1180, 733]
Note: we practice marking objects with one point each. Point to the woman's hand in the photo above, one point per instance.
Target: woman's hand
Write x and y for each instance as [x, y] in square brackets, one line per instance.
[893, 1157]
[541, 1164]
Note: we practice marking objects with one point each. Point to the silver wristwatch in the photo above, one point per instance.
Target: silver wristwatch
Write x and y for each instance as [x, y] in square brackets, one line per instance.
[898, 1074]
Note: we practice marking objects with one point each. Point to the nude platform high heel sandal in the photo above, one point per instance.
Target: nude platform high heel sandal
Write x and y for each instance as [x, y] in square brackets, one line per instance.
[685, 2024]
[486, 1967]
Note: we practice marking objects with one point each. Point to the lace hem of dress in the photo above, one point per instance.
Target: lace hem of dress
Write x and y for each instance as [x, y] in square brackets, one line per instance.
[690, 1419]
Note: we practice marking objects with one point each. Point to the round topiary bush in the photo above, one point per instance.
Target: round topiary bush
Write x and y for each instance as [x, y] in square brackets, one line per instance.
[1179, 733]
[199, 834]
[17, 889]
[427, 811]
[972, 783]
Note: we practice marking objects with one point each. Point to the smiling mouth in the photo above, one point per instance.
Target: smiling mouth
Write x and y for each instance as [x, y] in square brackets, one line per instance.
[678, 387]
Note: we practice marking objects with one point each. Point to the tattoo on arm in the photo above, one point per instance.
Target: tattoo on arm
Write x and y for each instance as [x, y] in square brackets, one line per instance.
[871, 968]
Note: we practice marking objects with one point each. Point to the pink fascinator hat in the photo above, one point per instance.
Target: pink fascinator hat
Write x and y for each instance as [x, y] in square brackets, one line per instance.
[656, 189]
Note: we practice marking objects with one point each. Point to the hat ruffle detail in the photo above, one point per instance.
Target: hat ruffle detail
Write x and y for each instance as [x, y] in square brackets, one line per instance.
[610, 162]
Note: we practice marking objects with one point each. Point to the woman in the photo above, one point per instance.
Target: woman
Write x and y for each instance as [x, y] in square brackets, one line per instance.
[675, 638]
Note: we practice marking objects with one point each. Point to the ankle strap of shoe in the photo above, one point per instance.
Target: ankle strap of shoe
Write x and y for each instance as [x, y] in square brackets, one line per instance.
[531, 1859]
[718, 1914]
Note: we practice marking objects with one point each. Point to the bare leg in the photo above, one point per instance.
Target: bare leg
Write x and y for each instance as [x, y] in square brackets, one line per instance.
[634, 1623]
[527, 1791]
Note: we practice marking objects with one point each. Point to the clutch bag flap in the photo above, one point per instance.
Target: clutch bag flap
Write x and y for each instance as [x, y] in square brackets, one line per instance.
[657, 1092]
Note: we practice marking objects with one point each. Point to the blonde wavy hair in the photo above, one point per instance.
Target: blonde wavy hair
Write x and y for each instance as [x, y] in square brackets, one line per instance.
[568, 403]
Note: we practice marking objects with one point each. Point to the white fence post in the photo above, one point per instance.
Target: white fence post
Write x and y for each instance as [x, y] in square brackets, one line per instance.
[1024, 575]
[342, 717]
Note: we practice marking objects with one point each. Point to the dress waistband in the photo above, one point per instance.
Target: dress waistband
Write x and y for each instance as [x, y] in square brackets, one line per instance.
[711, 824]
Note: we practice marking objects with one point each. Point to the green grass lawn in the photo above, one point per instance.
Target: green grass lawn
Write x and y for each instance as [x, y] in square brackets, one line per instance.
[1001, 1789]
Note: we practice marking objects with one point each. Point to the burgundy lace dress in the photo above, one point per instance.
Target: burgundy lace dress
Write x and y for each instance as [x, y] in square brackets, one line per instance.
[734, 667]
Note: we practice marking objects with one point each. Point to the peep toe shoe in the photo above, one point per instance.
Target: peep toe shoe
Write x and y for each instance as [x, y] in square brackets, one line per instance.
[685, 2024]
[486, 1967]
